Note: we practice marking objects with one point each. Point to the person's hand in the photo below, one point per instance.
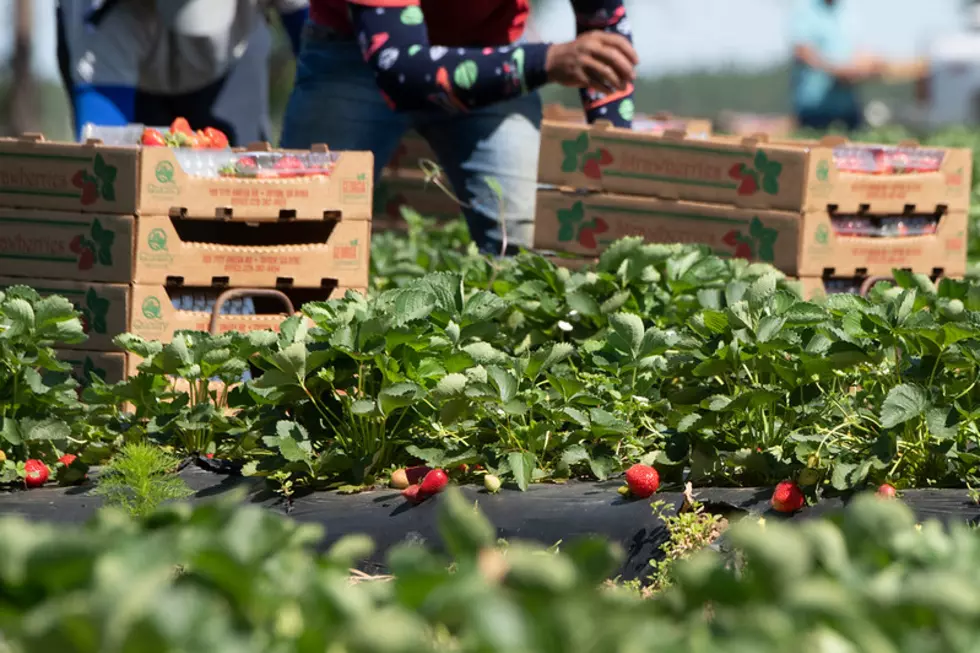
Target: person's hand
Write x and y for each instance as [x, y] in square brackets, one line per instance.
[595, 59]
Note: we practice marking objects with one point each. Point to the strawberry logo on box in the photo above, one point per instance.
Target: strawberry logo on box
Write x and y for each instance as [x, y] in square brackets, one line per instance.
[759, 244]
[572, 226]
[101, 184]
[94, 313]
[763, 174]
[95, 247]
[578, 157]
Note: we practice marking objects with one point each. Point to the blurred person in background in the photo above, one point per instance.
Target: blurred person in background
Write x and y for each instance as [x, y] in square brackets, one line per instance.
[826, 68]
[152, 61]
[460, 73]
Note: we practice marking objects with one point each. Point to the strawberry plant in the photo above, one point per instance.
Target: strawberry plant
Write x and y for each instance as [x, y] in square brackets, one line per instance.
[39, 407]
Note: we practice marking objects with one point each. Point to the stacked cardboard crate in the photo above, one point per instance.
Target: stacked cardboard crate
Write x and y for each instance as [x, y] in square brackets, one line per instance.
[143, 240]
[403, 182]
[828, 212]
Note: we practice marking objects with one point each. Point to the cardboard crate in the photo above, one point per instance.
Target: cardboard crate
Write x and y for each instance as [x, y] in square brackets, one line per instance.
[104, 307]
[132, 180]
[657, 123]
[77, 246]
[806, 244]
[750, 172]
[38, 244]
[410, 151]
[395, 191]
[154, 316]
[111, 367]
[748, 124]
[210, 252]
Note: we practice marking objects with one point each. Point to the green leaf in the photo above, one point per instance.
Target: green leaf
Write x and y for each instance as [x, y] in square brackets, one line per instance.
[484, 306]
[398, 395]
[629, 329]
[11, 431]
[505, 382]
[769, 328]
[522, 466]
[50, 429]
[451, 385]
[761, 290]
[464, 530]
[903, 403]
[584, 303]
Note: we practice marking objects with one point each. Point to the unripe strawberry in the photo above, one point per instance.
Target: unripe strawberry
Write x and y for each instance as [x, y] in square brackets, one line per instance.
[491, 483]
[399, 479]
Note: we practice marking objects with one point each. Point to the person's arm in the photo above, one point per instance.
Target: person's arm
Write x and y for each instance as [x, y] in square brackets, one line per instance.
[607, 16]
[413, 74]
[849, 74]
[293, 14]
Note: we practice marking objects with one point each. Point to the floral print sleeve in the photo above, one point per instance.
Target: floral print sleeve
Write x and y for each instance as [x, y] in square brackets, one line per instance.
[413, 74]
[609, 16]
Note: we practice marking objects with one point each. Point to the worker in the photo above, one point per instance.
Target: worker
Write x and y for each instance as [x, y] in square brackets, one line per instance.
[151, 61]
[826, 69]
[460, 74]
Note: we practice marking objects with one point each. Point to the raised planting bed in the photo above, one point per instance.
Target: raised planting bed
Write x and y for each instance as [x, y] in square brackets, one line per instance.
[545, 514]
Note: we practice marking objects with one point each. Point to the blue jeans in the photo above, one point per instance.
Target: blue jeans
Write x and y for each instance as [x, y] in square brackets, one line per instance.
[335, 101]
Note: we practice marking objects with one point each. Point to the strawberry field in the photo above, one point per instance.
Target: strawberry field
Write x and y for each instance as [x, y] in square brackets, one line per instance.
[712, 371]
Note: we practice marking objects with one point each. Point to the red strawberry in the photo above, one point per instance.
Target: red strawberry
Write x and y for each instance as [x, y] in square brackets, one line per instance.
[591, 169]
[84, 321]
[787, 497]
[462, 469]
[642, 480]
[216, 138]
[887, 491]
[433, 483]
[86, 260]
[411, 494]
[153, 138]
[748, 185]
[90, 193]
[586, 238]
[181, 126]
[288, 162]
[605, 158]
[67, 459]
[743, 250]
[36, 473]
[209, 456]
[735, 172]
[76, 245]
[78, 179]
[600, 226]
[731, 238]
[416, 474]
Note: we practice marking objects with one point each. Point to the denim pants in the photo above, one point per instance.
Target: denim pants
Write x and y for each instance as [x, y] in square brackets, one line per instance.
[335, 101]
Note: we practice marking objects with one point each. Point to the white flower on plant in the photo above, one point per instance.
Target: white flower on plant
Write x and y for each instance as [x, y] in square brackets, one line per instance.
[565, 326]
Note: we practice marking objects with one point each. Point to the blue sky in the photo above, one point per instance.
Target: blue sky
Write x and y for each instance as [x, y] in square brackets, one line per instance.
[674, 35]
